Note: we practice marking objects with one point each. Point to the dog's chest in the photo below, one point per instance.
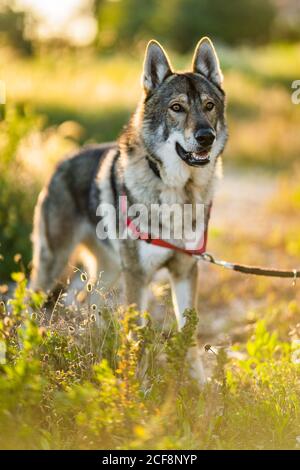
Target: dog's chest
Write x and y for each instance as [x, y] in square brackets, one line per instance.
[152, 257]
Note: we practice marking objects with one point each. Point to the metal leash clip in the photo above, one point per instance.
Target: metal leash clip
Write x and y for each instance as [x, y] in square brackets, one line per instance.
[295, 277]
[207, 257]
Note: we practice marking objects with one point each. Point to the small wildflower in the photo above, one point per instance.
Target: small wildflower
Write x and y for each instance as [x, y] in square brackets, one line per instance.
[208, 347]
[42, 331]
[3, 289]
[93, 317]
[7, 321]
[140, 431]
[18, 277]
[80, 297]
[89, 287]
[17, 258]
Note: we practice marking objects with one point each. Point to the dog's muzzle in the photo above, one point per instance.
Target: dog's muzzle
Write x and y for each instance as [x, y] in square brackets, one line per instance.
[200, 158]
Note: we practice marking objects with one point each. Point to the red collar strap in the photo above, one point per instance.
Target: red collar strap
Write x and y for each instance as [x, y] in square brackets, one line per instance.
[162, 243]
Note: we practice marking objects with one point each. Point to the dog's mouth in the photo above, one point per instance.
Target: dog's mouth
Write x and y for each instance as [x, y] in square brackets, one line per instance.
[193, 158]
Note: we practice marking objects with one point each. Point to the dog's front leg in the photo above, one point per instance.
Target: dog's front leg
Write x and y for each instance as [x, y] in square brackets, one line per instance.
[132, 274]
[184, 295]
[134, 289]
[184, 283]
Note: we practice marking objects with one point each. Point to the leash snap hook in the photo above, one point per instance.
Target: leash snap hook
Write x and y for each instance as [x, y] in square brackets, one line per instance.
[208, 257]
[295, 277]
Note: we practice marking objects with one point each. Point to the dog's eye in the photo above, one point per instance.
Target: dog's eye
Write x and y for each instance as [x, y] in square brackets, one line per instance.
[177, 108]
[209, 105]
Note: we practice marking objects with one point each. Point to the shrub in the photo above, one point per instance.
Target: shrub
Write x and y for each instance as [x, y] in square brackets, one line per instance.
[17, 190]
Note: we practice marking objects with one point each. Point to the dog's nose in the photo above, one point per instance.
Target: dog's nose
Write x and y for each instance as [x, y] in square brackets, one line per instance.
[205, 137]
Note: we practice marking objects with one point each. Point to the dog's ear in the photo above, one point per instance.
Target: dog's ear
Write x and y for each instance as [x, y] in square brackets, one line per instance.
[206, 62]
[156, 66]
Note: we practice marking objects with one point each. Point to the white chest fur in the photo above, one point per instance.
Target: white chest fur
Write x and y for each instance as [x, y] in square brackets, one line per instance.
[152, 257]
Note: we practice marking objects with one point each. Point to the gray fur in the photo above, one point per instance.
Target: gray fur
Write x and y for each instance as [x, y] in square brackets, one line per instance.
[65, 213]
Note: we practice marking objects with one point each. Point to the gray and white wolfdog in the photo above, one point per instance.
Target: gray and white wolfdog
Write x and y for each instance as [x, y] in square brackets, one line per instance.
[169, 153]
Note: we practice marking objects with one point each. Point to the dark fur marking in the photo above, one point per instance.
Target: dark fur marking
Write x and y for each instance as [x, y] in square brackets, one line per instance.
[166, 132]
[193, 92]
[150, 94]
[153, 73]
[95, 193]
[210, 82]
[153, 166]
[46, 221]
[113, 182]
[80, 187]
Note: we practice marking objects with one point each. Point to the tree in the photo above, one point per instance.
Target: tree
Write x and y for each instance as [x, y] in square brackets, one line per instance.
[13, 28]
[234, 22]
[123, 22]
[180, 23]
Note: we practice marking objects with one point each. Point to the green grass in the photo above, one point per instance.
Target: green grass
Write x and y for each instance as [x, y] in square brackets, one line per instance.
[78, 385]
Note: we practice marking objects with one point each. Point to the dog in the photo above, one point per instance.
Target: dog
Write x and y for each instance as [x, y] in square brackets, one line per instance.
[169, 153]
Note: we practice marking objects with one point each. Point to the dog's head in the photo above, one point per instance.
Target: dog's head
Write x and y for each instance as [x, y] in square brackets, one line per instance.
[182, 114]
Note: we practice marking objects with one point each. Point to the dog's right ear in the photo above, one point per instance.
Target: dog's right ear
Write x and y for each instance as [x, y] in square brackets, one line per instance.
[156, 66]
[206, 62]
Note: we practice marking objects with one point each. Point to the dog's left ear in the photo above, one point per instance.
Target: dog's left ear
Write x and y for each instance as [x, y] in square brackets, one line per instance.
[206, 62]
[156, 66]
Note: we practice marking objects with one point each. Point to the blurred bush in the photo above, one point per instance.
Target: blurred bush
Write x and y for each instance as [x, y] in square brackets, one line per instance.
[17, 192]
[75, 385]
[181, 22]
[13, 25]
[28, 155]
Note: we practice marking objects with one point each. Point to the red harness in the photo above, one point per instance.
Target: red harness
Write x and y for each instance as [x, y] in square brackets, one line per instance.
[162, 243]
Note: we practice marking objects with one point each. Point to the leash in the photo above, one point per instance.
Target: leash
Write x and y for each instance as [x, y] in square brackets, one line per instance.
[246, 269]
[202, 255]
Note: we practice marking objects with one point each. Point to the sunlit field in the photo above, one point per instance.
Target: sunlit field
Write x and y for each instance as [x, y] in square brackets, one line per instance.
[100, 94]
[92, 379]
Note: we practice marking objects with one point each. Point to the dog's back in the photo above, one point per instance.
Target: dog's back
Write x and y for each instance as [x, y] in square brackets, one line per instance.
[63, 209]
